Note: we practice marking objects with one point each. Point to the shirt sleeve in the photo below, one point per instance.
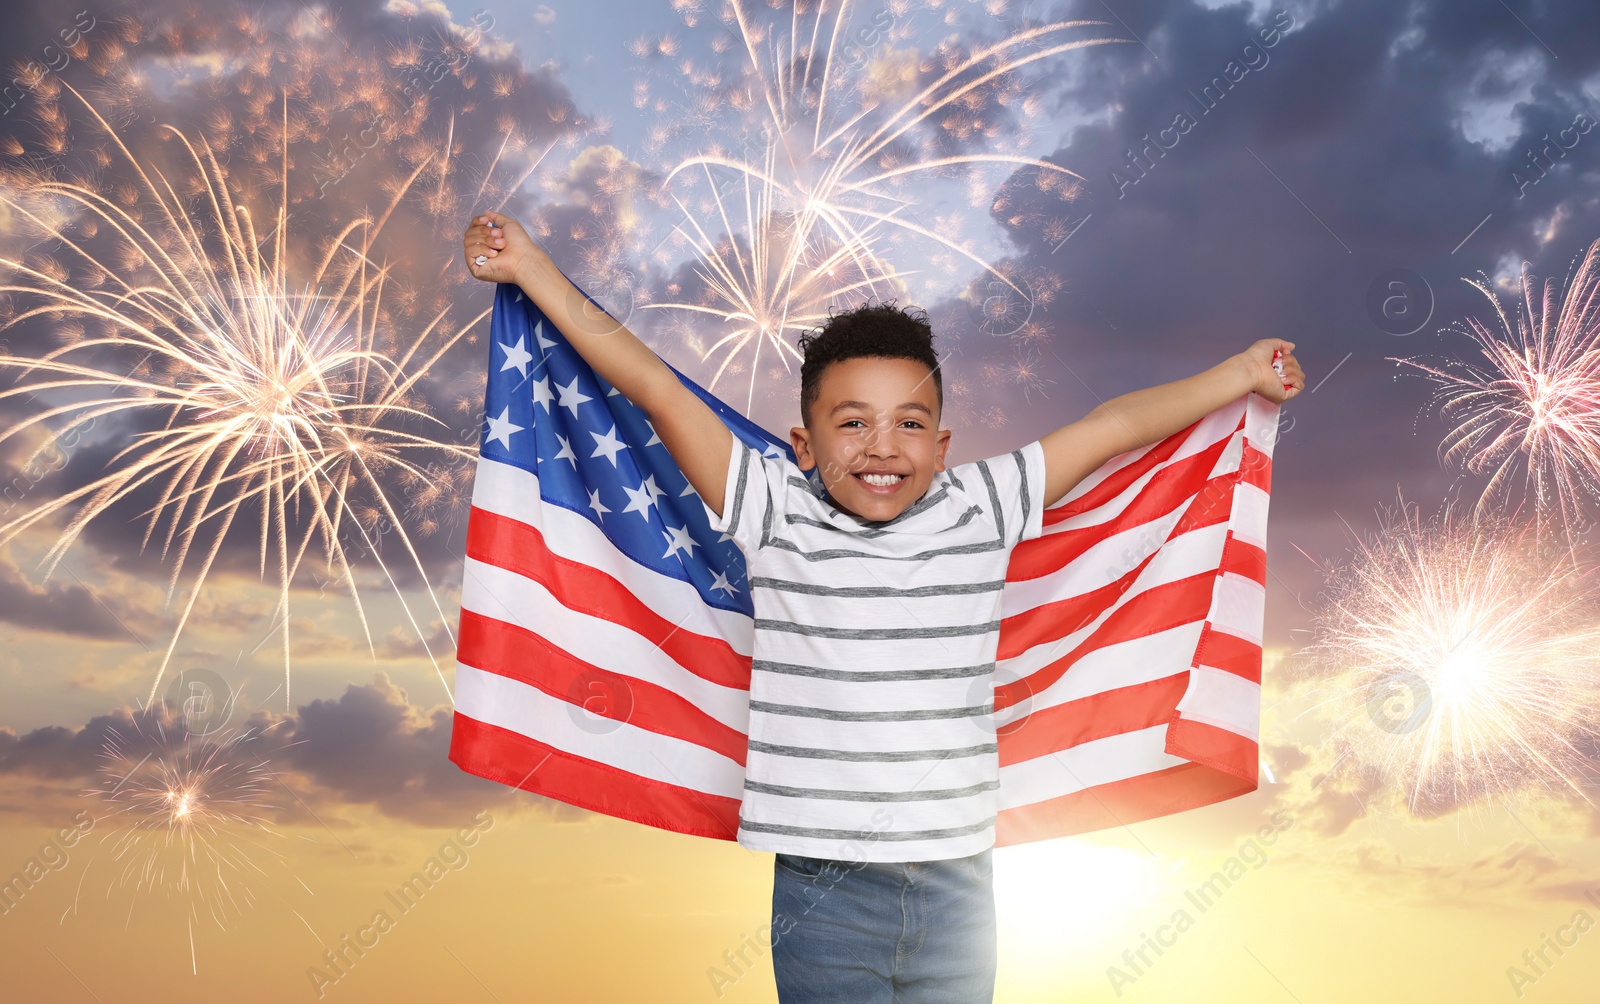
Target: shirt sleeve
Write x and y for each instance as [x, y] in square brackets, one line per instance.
[1012, 486]
[752, 497]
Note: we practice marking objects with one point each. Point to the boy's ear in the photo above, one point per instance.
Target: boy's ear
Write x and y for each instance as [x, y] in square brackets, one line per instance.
[800, 439]
[944, 444]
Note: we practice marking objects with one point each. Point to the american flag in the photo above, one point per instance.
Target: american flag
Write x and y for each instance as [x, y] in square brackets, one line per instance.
[606, 630]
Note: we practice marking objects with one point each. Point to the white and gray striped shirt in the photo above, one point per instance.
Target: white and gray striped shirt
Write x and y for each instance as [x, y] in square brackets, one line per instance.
[871, 692]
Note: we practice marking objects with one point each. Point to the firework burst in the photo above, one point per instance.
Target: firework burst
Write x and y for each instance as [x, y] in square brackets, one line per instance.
[1462, 656]
[277, 396]
[1534, 401]
[772, 277]
[842, 139]
[184, 816]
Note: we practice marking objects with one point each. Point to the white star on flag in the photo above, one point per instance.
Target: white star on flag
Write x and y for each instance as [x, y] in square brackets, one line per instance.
[655, 492]
[501, 428]
[566, 452]
[538, 335]
[608, 445]
[571, 396]
[678, 539]
[516, 356]
[640, 500]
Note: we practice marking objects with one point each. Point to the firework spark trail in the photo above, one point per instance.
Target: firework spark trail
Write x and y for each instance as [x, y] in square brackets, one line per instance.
[279, 393]
[186, 813]
[1535, 402]
[778, 282]
[837, 188]
[1463, 658]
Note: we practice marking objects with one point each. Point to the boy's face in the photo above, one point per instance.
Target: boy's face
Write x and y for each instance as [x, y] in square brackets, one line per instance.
[873, 414]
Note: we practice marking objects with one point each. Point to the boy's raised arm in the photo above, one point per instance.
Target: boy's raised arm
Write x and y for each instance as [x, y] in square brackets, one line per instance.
[1147, 416]
[697, 439]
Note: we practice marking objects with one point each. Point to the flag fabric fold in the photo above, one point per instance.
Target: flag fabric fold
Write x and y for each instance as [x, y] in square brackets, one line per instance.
[605, 638]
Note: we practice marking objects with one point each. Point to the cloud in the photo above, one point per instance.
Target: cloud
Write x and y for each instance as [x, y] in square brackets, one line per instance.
[1517, 871]
[371, 747]
[65, 606]
[1349, 147]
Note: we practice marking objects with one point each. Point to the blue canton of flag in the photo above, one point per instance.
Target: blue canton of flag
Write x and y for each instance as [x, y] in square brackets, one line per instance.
[595, 453]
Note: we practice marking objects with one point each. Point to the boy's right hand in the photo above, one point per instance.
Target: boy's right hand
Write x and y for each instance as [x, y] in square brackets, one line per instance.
[505, 246]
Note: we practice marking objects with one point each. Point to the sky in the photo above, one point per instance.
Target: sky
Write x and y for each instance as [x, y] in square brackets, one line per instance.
[1368, 157]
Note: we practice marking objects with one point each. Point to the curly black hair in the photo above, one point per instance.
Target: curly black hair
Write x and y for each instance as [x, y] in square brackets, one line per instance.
[872, 329]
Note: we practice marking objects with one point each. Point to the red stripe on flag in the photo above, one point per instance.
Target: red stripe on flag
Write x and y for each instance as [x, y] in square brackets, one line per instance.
[1244, 558]
[507, 650]
[1257, 468]
[1108, 713]
[514, 759]
[1117, 481]
[517, 547]
[1166, 491]
[1221, 650]
[1216, 747]
[1212, 504]
[1160, 793]
[1182, 601]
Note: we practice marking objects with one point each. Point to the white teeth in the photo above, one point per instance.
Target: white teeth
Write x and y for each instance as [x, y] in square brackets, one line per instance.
[882, 480]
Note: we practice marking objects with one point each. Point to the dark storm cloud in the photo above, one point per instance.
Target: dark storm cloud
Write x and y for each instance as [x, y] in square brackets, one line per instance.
[370, 747]
[1314, 164]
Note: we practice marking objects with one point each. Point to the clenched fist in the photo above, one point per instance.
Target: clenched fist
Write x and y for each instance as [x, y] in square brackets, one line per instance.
[498, 249]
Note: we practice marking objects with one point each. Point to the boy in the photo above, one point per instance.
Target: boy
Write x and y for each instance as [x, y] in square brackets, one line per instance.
[875, 574]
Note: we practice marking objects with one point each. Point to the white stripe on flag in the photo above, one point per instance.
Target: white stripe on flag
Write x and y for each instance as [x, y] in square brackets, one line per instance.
[1100, 761]
[1226, 700]
[1213, 428]
[1193, 553]
[500, 595]
[510, 492]
[510, 704]
[1125, 664]
[1250, 514]
[1238, 606]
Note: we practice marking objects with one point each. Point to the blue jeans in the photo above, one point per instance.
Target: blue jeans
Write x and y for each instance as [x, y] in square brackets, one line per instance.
[896, 933]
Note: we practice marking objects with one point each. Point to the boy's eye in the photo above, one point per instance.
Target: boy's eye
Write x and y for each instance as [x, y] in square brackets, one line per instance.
[857, 421]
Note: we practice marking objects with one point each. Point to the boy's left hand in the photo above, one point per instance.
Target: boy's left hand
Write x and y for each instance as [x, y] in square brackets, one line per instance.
[1258, 359]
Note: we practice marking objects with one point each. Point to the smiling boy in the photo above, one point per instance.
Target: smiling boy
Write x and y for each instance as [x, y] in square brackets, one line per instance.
[875, 574]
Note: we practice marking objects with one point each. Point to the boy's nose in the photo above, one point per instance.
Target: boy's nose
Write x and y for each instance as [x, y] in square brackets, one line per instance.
[882, 450]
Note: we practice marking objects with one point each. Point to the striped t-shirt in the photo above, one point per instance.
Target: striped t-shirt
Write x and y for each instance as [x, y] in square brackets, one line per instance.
[871, 732]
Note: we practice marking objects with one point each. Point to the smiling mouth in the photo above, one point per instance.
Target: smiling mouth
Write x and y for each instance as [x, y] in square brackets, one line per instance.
[880, 481]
